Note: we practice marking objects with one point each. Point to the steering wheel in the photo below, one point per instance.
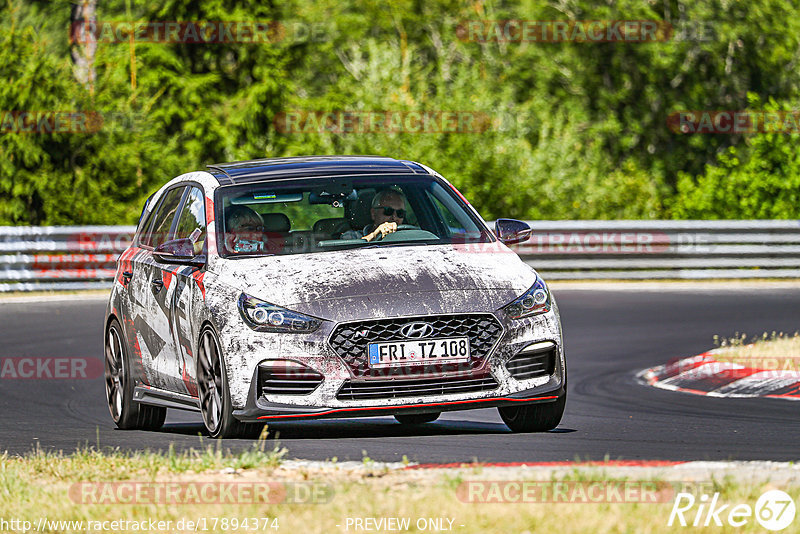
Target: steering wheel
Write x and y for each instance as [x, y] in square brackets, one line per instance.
[379, 237]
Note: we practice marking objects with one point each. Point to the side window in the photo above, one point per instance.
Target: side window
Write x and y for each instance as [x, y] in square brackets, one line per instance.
[162, 220]
[144, 208]
[144, 224]
[192, 220]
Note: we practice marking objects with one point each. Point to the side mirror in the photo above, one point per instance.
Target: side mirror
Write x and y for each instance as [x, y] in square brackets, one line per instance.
[511, 231]
[178, 251]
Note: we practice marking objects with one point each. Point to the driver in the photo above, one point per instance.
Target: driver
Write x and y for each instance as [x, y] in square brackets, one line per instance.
[388, 211]
[244, 230]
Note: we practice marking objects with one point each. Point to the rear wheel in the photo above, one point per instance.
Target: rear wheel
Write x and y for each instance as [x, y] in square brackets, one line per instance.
[538, 417]
[417, 418]
[127, 414]
[215, 398]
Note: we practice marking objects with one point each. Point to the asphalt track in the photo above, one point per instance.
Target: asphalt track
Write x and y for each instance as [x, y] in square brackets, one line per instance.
[609, 336]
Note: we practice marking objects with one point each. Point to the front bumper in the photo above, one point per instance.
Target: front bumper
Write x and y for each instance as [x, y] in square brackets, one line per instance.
[259, 410]
[248, 349]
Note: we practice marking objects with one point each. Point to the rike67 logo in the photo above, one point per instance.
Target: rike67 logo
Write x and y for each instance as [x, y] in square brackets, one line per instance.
[774, 510]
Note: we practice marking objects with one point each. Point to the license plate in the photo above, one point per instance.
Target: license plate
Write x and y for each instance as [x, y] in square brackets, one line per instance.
[400, 353]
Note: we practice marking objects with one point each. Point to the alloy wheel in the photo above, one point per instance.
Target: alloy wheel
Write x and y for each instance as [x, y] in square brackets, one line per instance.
[114, 373]
[209, 381]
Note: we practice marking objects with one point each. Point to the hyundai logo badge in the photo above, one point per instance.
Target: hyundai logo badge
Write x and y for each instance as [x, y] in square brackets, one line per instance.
[416, 330]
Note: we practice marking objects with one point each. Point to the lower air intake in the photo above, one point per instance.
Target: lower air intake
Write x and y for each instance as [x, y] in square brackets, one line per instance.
[533, 361]
[292, 381]
[395, 389]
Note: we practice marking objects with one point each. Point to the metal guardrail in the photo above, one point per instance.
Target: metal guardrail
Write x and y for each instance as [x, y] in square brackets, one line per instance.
[60, 257]
[630, 250]
[72, 257]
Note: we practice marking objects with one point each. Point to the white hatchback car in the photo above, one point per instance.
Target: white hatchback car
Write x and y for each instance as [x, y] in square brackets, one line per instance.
[299, 288]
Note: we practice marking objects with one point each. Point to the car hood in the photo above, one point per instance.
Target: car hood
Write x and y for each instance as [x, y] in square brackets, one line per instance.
[397, 280]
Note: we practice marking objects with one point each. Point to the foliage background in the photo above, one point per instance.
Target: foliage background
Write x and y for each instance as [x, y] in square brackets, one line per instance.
[580, 129]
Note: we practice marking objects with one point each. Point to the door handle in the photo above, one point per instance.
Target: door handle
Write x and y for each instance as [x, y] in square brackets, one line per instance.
[157, 284]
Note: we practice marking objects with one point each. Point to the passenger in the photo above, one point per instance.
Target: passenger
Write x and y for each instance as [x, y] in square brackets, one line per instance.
[244, 230]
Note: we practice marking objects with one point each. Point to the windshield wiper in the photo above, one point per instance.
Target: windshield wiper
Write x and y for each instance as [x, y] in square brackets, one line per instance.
[397, 244]
[249, 255]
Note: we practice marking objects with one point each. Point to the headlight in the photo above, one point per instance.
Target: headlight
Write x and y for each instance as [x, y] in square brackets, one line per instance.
[534, 301]
[265, 317]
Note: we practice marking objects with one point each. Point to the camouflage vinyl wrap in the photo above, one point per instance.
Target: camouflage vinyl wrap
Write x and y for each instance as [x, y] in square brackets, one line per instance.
[162, 328]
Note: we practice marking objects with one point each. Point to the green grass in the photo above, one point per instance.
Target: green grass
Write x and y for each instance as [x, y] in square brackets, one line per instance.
[775, 351]
[38, 484]
[90, 463]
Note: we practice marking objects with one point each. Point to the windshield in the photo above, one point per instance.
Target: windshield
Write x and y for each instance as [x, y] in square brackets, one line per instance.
[318, 215]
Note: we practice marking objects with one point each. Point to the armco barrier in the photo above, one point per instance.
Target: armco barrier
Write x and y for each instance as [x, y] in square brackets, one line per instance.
[71, 257]
[60, 257]
[617, 250]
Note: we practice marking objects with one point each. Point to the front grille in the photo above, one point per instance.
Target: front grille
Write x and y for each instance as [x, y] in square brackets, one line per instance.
[277, 381]
[530, 363]
[394, 389]
[349, 341]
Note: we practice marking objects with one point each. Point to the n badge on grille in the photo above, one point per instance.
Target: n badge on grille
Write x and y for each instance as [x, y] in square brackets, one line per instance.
[361, 333]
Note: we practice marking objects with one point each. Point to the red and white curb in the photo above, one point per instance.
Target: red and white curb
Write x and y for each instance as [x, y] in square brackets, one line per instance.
[704, 375]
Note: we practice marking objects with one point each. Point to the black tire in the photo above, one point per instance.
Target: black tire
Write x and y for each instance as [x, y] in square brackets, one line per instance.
[417, 418]
[126, 413]
[215, 398]
[539, 417]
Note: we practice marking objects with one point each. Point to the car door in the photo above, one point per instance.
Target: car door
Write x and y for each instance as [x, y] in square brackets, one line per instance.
[182, 281]
[128, 278]
[151, 299]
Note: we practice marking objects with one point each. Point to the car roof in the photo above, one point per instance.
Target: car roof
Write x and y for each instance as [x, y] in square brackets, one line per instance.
[256, 170]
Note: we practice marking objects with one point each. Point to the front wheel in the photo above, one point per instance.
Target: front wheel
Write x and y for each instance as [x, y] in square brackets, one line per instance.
[539, 417]
[127, 414]
[215, 397]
